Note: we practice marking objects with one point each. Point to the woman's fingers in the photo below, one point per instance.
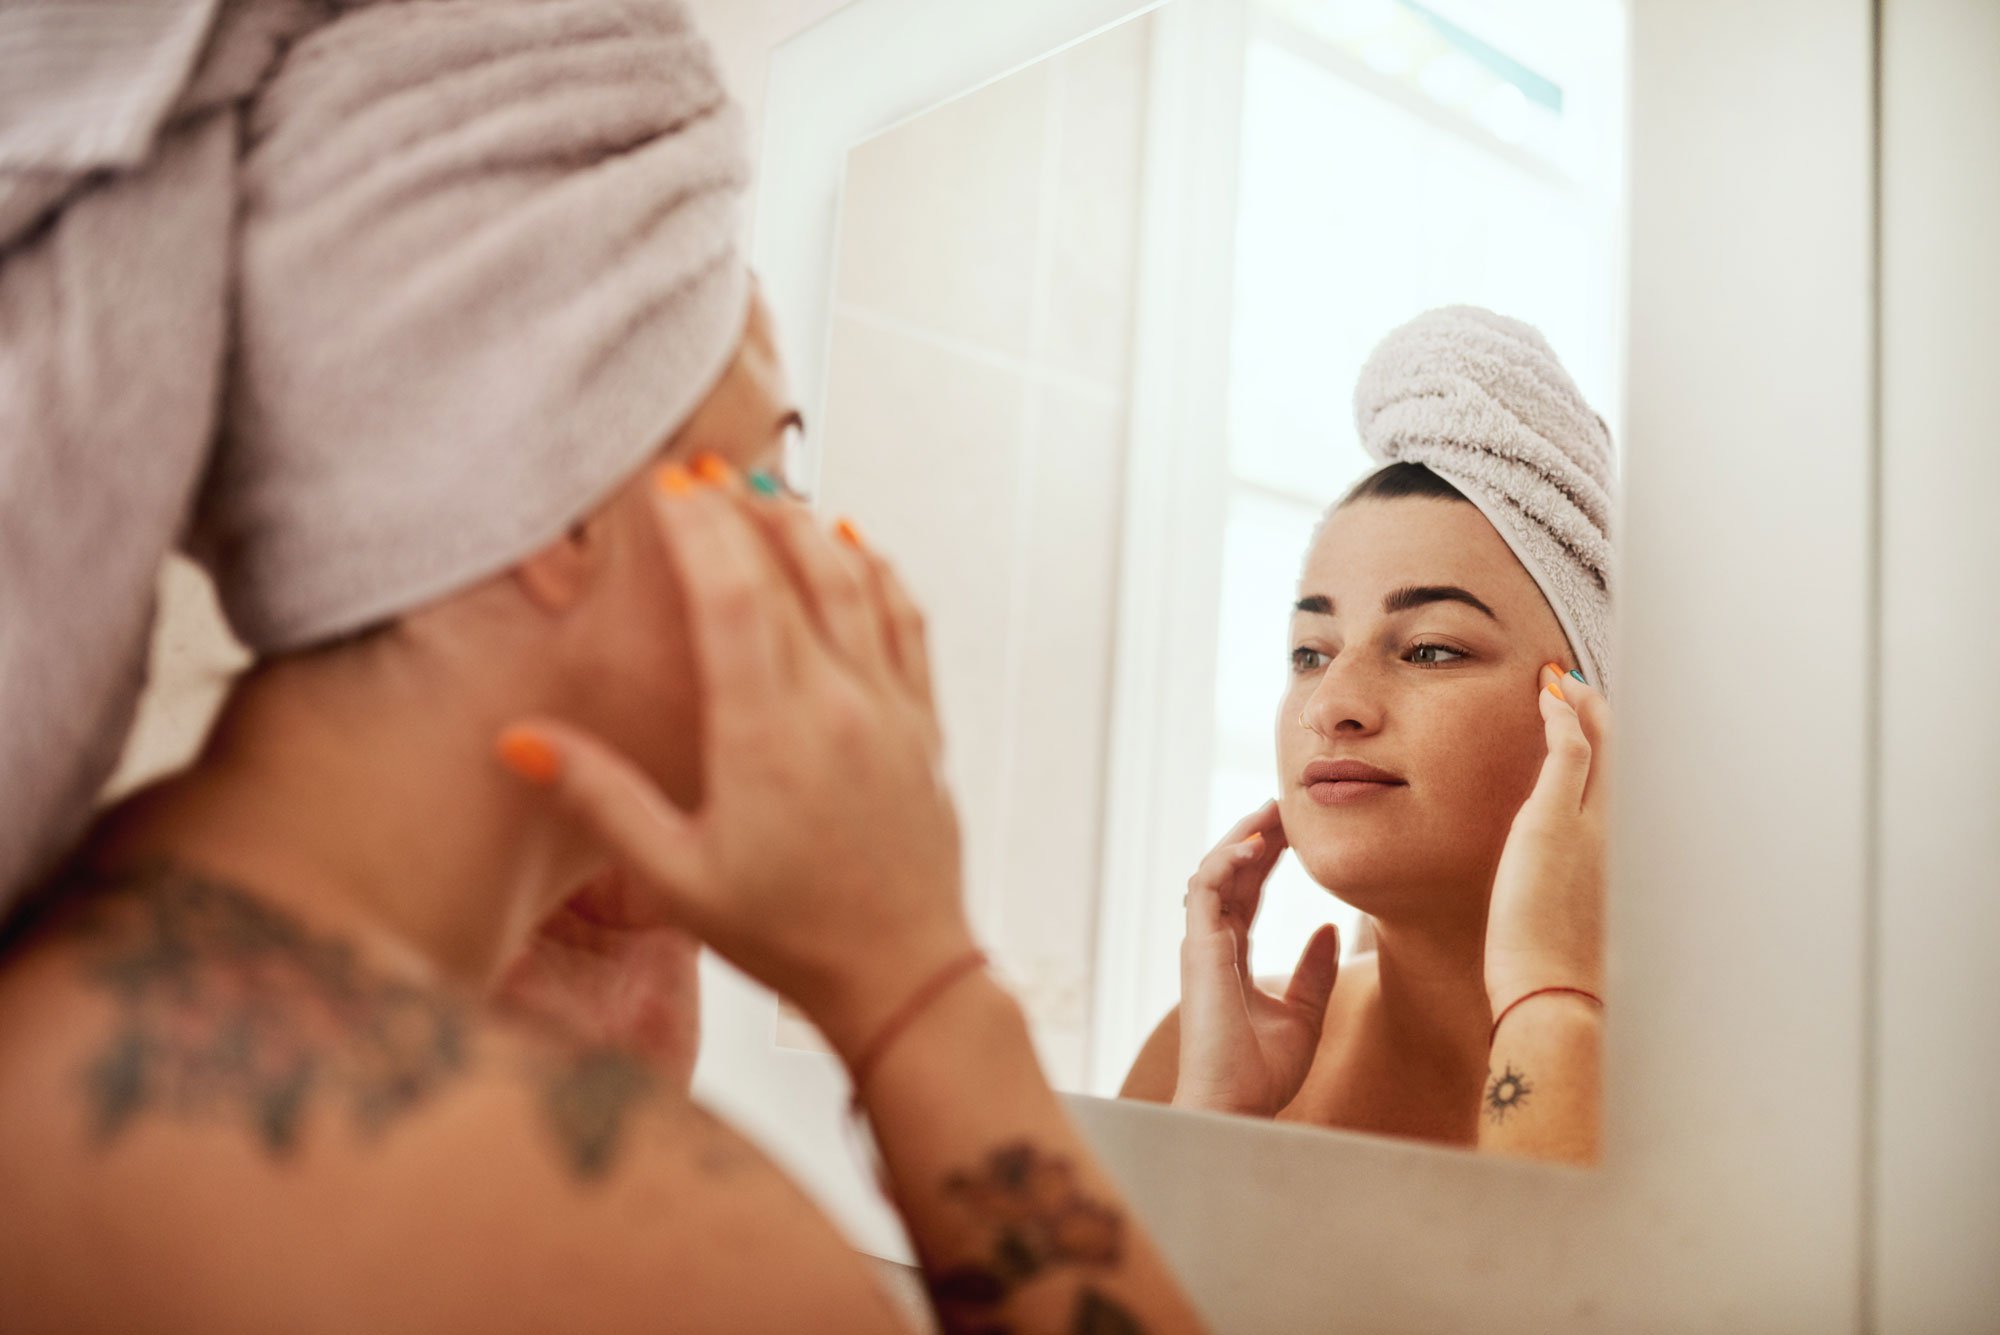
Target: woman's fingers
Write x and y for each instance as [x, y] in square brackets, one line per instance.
[1220, 867]
[1208, 950]
[1594, 712]
[835, 581]
[1233, 874]
[1559, 789]
[1243, 894]
[828, 578]
[1312, 982]
[744, 619]
[903, 627]
[1264, 819]
[612, 798]
[1216, 922]
[1204, 910]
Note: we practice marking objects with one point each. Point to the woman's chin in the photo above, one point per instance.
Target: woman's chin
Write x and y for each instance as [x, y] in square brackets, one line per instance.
[1355, 871]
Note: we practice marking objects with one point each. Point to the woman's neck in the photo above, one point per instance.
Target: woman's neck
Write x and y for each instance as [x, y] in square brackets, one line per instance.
[1432, 1003]
[387, 820]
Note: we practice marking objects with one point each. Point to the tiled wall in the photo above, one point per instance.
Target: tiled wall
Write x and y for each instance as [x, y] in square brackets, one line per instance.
[975, 427]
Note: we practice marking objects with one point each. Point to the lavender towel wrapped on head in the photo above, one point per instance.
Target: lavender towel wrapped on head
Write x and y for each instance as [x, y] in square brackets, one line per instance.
[359, 302]
[1481, 401]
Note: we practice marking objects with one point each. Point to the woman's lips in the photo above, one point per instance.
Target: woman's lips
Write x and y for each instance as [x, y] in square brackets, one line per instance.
[1343, 791]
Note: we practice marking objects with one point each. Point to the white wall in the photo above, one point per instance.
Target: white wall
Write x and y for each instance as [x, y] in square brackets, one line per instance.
[976, 426]
[1936, 1179]
[743, 33]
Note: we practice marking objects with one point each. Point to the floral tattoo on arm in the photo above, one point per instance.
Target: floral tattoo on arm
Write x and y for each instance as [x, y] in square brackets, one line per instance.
[1040, 1220]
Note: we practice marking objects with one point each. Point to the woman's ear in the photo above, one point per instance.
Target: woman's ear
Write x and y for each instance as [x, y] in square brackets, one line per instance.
[558, 576]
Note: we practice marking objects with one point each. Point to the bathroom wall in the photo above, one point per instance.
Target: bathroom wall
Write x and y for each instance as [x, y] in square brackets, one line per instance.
[975, 427]
[743, 33]
[1935, 1163]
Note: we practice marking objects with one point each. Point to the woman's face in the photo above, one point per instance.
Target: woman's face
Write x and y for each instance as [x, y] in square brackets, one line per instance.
[1432, 689]
[637, 678]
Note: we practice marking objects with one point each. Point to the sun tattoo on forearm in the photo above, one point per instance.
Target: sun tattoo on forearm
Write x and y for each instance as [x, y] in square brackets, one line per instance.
[230, 1009]
[1040, 1220]
[1508, 1091]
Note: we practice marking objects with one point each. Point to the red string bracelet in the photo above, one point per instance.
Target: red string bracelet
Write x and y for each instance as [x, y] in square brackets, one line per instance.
[893, 1027]
[1589, 996]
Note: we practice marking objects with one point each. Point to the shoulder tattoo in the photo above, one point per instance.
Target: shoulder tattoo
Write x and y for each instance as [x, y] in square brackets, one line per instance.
[229, 1009]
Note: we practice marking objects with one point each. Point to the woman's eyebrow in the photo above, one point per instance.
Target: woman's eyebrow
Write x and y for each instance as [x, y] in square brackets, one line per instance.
[792, 418]
[1408, 597]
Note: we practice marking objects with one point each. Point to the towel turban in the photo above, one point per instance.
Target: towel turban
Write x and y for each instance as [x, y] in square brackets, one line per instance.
[1481, 401]
[357, 302]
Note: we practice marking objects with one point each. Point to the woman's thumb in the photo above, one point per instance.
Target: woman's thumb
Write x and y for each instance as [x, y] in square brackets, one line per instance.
[610, 796]
[1312, 982]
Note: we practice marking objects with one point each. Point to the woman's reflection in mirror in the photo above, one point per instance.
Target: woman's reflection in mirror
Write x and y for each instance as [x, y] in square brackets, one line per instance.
[1410, 735]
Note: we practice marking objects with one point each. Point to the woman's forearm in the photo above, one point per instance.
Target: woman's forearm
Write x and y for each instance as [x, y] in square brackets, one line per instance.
[1017, 1225]
[1543, 1083]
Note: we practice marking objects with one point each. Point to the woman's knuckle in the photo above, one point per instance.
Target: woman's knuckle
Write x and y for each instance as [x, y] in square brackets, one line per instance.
[842, 590]
[733, 602]
[848, 717]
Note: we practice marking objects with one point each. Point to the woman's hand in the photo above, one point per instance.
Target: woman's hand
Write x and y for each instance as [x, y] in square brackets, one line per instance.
[610, 968]
[824, 857]
[1242, 1049]
[1545, 927]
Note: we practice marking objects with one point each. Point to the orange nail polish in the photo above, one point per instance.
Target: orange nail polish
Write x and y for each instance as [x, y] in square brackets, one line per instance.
[674, 480]
[714, 470]
[1256, 839]
[1557, 692]
[529, 756]
[850, 535]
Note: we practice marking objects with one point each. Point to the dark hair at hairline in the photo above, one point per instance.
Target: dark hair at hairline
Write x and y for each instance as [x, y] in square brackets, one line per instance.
[1401, 479]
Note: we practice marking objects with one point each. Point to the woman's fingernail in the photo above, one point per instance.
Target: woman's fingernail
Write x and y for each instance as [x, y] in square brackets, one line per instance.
[674, 480]
[1557, 692]
[529, 755]
[764, 484]
[1578, 674]
[850, 535]
[1256, 840]
[1554, 670]
[713, 469]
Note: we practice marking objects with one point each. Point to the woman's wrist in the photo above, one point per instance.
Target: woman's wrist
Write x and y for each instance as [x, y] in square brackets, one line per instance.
[852, 1008]
[1547, 1005]
[1200, 1100]
[975, 1022]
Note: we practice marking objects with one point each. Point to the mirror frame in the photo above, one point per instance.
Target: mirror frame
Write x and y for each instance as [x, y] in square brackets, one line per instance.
[1734, 1183]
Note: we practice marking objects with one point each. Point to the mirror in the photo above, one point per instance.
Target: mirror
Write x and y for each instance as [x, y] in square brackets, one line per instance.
[1099, 444]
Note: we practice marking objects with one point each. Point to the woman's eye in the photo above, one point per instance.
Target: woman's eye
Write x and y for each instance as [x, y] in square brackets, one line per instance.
[1443, 648]
[1307, 660]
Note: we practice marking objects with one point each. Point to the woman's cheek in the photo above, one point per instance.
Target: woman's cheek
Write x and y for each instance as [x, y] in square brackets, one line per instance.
[1480, 778]
[1508, 767]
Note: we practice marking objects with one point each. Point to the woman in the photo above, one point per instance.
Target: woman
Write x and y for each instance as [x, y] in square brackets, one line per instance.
[251, 1066]
[1419, 642]
[458, 280]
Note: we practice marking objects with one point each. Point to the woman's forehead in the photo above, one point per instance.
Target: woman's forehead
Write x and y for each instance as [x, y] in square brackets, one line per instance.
[1363, 550]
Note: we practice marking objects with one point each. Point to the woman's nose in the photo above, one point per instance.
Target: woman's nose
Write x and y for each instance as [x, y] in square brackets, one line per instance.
[1346, 694]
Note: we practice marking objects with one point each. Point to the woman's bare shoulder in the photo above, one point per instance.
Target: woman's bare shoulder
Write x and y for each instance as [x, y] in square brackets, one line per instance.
[232, 1094]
